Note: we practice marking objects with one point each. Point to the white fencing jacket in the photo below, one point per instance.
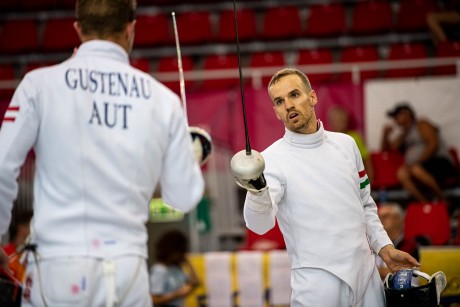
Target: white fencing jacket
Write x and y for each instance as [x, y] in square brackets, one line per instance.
[320, 194]
[104, 134]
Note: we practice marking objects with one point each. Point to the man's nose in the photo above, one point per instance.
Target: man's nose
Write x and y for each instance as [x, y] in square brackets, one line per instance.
[288, 104]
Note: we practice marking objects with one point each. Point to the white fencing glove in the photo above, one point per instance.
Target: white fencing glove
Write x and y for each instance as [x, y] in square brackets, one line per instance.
[248, 171]
[202, 144]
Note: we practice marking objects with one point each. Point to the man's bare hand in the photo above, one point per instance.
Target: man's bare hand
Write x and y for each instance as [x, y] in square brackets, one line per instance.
[397, 260]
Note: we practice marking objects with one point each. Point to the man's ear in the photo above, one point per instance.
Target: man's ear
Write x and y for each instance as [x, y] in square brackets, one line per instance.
[130, 30]
[313, 98]
[77, 27]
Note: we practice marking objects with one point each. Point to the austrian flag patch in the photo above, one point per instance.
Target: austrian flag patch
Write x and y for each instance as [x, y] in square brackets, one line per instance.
[363, 179]
[11, 114]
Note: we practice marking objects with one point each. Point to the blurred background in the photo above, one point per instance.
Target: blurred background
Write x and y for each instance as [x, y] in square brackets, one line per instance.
[364, 56]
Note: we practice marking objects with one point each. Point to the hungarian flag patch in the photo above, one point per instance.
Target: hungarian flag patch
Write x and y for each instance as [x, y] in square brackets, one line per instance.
[363, 179]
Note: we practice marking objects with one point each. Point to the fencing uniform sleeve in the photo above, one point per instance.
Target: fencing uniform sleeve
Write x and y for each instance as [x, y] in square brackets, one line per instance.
[260, 209]
[180, 170]
[378, 237]
[17, 136]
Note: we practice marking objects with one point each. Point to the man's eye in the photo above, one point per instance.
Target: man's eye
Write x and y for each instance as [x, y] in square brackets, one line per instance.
[278, 102]
[295, 94]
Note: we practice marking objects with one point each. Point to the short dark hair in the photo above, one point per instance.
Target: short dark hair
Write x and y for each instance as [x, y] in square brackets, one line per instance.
[290, 71]
[401, 106]
[104, 18]
[171, 247]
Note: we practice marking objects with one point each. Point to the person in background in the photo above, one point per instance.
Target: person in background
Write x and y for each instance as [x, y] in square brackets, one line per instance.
[392, 217]
[19, 232]
[427, 161]
[338, 119]
[314, 184]
[172, 277]
[105, 135]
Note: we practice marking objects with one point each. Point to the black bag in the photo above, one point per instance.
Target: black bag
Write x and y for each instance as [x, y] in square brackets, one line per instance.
[421, 296]
[10, 290]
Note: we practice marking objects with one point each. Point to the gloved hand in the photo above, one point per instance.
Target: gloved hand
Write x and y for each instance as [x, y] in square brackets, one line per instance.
[202, 144]
[248, 171]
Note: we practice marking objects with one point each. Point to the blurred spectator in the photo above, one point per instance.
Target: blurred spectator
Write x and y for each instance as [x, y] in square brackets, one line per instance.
[19, 232]
[438, 21]
[339, 120]
[392, 217]
[427, 161]
[172, 277]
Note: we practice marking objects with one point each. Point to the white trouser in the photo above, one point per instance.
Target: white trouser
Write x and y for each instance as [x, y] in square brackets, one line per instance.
[319, 288]
[87, 282]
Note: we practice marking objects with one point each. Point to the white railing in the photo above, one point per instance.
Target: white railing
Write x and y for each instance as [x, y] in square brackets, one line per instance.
[256, 74]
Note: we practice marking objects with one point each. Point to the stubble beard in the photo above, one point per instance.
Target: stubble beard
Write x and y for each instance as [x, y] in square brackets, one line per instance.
[297, 126]
[300, 124]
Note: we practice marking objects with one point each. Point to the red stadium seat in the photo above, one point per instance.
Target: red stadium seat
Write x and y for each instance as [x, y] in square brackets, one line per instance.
[59, 35]
[169, 64]
[407, 52]
[141, 63]
[36, 5]
[264, 59]
[447, 50]
[356, 55]
[430, 220]
[8, 6]
[273, 60]
[7, 74]
[18, 36]
[412, 14]
[152, 30]
[216, 62]
[314, 57]
[326, 20]
[281, 23]
[385, 165]
[272, 239]
[372, 17]
[246, 26]
[69, 4]
[194, 27]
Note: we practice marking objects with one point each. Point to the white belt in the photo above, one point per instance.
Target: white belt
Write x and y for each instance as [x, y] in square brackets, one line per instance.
[109, 277]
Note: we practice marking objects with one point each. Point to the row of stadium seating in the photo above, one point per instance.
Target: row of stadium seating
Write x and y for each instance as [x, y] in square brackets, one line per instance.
[154, 28]
[213, 62]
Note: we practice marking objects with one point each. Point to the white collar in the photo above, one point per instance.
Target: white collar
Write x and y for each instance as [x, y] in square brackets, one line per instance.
[103, 48]
[312, 140]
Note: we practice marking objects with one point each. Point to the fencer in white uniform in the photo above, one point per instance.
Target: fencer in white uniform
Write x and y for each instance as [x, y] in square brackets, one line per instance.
[314, 183]
[105, 135]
